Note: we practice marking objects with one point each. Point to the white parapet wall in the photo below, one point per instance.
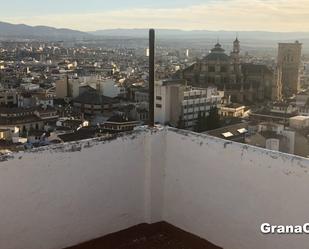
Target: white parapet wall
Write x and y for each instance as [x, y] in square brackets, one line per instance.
[224, 191]
[62, 195]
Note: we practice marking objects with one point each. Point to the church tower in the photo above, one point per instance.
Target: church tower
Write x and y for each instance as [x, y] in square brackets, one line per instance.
[289, 62]
[235, 56]
[236, 51]
[236, 46]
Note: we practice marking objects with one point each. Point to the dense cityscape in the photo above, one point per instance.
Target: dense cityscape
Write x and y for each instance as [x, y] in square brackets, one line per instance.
[61, 91]
[154, 124]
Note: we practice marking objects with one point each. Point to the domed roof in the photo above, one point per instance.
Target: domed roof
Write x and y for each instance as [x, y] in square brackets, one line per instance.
[217, 53]
[218, 48]
[217, 57]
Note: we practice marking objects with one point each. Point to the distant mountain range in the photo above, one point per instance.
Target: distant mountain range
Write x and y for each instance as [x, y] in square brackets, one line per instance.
[205, 34]
[12, 31]
[23, 31]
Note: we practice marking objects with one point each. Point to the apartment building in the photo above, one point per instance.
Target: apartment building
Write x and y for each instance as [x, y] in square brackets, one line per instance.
[177, 104]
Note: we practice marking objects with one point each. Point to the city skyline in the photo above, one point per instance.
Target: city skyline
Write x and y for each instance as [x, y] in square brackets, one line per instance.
[284, 15]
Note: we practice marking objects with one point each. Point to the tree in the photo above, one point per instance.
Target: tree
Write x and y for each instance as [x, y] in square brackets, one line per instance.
[207, 123]
[213, 119]
[201, 124]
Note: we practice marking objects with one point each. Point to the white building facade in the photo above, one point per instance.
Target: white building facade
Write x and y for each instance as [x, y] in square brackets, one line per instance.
[180, 105]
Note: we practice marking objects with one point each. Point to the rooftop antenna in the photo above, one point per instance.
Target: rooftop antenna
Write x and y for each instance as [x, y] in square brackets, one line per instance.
[151, 75]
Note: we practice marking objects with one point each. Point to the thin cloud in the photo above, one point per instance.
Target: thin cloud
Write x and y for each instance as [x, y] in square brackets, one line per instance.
[271, 15]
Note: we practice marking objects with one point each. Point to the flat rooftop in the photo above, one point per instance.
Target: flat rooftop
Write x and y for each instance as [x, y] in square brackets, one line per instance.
[233, 105]
[160, 235]
[300, 118]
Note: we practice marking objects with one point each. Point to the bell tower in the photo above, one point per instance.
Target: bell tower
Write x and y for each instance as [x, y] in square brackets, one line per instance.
[235, 56]
[236, 51]
[236, 46]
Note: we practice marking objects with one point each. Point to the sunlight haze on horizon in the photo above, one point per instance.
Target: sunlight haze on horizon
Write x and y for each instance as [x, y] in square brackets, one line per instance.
[242, 15]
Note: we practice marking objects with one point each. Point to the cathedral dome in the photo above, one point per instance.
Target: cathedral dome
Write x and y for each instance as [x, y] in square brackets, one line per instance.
[218, 49]
[217, 54]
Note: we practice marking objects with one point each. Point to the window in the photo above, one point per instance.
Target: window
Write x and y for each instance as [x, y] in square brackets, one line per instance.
[211, 69]
[158, 106]
[158, 97]
[223, 69]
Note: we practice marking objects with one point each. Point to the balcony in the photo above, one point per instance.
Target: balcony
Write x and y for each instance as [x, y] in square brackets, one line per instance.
[61, 196]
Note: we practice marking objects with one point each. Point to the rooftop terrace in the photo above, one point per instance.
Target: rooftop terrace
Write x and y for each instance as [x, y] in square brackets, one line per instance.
[63, 195]
[160, 235]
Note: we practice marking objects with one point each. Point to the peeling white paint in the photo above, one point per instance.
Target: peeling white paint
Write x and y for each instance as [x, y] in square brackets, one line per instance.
[224, 191]
[58, 196]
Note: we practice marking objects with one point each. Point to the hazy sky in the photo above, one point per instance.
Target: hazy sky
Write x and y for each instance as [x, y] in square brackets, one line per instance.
[271, 15]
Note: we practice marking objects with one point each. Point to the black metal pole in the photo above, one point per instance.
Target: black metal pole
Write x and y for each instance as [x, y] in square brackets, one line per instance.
[151, 75]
